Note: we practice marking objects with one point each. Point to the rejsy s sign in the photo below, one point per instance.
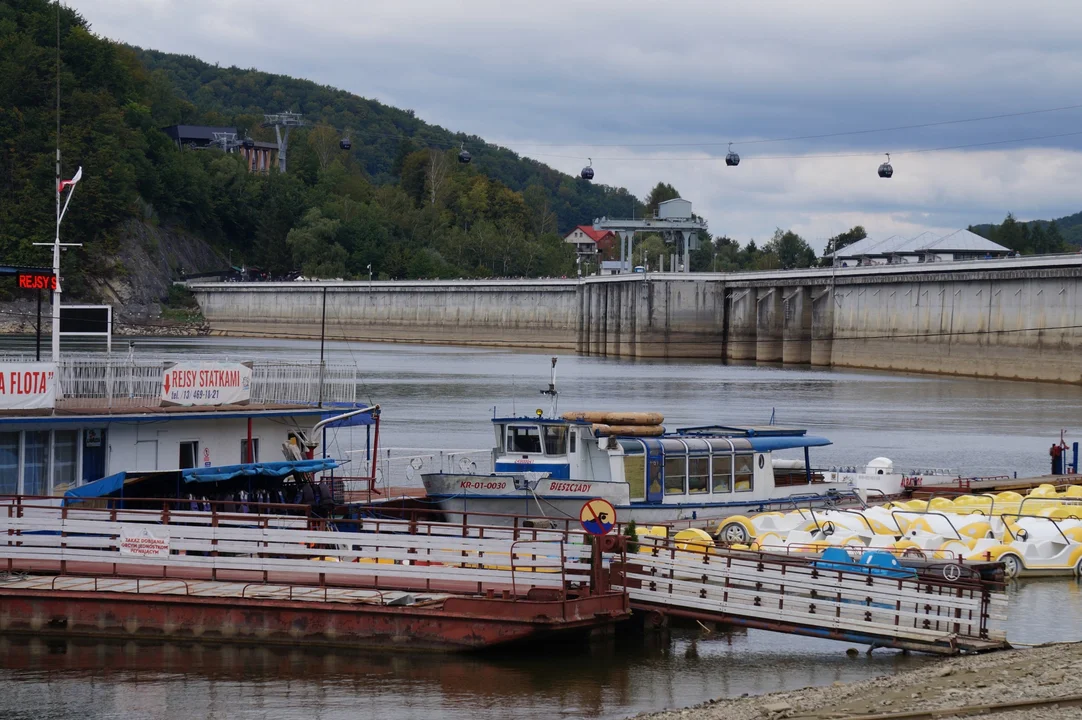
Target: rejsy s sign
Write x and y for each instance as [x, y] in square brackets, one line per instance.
[207, 384]
[27, 386]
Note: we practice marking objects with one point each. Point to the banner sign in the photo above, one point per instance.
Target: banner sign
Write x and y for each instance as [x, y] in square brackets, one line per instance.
[27, 386]
[144, 542]
[207, 384]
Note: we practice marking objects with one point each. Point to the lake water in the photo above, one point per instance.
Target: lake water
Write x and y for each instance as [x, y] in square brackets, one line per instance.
[442, 397]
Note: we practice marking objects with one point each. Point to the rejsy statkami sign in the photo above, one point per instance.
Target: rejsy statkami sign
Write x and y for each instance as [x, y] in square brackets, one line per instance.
[207, 384]
[27, 386]
[144, 542]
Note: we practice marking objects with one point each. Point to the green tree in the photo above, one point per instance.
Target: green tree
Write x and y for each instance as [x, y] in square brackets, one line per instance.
[790, 250]
[659, 194]
[844, 239]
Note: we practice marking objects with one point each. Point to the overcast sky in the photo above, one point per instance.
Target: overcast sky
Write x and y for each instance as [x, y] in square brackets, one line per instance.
[635, 84]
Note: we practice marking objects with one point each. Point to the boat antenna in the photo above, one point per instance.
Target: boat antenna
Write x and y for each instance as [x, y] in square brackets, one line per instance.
[61, 185]
[513, 413]
[552, 392]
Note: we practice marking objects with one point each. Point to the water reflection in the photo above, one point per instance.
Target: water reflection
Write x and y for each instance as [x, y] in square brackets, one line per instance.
[598, 679]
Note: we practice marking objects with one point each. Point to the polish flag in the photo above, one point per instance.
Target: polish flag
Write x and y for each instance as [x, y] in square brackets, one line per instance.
[64, 184]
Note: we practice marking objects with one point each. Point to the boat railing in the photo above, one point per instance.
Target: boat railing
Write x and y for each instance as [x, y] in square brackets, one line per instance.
[117, 382]
[405, 465]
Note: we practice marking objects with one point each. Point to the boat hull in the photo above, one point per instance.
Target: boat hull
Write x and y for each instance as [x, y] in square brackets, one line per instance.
[475, 496]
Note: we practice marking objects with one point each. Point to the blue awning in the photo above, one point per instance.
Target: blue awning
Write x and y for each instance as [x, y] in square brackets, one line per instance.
[114, 483]
[768, 443]
[105, 486]
[267, 469]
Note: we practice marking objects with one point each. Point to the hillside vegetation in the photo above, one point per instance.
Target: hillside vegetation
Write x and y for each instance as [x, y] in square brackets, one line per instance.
[398, 201]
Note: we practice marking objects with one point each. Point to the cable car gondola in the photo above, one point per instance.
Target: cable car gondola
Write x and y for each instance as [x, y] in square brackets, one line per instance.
[344, 143]
[732, 159]
[247, 143]
[463, 155]
[588, 171]
[885, 170]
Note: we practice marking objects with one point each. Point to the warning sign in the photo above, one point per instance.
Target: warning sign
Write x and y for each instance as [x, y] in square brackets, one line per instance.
[207, 384]
[144, 542]
[598, 517]
[27, 386]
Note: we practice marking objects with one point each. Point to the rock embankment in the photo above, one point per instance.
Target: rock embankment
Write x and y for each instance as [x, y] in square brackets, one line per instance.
[1041, 673]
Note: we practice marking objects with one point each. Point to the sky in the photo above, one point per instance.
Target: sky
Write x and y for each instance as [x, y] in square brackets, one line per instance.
[655, 91]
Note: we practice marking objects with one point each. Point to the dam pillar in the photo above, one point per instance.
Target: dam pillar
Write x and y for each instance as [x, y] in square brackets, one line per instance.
[741, 339]
[822, 326]
[768, 331]
[796, 327]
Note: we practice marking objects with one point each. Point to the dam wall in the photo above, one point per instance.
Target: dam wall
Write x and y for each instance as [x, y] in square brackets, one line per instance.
[519, 313]
[1016, 318]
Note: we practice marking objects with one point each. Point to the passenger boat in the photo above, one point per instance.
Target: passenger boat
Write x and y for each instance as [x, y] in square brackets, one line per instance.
[209, 431]
[551, 466]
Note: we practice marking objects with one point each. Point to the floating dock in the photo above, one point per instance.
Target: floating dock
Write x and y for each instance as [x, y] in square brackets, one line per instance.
[443, 586]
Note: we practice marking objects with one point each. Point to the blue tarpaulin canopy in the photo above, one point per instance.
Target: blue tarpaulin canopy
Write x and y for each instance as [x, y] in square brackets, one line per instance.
[114, 483]
[267, 469]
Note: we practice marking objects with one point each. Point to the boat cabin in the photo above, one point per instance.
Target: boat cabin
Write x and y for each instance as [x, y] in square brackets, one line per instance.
[696, 464]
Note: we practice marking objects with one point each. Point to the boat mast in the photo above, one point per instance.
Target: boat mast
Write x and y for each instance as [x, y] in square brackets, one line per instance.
[551, 391]
[61, 185]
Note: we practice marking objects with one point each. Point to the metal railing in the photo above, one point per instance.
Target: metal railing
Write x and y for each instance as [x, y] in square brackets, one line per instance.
[136, 382]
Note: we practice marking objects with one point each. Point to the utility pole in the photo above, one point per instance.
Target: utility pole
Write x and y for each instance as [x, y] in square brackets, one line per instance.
[286, 121]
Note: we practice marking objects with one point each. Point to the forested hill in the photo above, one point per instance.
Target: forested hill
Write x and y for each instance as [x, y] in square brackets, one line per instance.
[1034, 235]
[382, 136]
[397, 201]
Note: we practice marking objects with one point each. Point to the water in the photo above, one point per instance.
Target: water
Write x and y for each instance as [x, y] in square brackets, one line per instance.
[440, 397]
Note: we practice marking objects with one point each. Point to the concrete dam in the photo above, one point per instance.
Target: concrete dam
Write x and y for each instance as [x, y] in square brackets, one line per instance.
[1017, 318]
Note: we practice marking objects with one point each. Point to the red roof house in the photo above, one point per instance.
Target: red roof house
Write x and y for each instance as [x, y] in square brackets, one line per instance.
[588, 241]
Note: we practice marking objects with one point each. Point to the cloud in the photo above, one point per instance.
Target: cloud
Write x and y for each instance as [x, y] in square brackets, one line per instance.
[629, 73]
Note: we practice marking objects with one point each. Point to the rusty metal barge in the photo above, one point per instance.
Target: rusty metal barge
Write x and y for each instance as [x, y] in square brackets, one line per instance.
[292, 579]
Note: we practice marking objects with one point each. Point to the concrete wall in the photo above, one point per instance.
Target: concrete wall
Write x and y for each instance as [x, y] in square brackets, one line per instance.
[542, 314]
[1009, 318]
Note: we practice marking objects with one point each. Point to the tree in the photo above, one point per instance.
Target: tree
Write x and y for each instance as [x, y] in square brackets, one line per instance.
[436, 173]
[844, 239]
[650, 252]
[660, 193]
[790, 250]
[323, 140]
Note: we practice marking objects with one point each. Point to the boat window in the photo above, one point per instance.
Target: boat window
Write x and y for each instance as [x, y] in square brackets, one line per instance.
[9, 463]
[698, 475]
[676, 470]
[722, 473]
[523, 439]
[574, 436]
[36, 462]
[244, 450]
[745, 465]
[189, 453]
[64, 457]
[635, 475]
[500, 429]
[555, 440]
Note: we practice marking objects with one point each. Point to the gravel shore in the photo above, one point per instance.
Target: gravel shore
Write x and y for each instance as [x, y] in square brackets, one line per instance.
[1048, 671]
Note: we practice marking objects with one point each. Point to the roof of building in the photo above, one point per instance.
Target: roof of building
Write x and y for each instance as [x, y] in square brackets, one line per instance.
[196, 132]
[957, 241]
[594, 235]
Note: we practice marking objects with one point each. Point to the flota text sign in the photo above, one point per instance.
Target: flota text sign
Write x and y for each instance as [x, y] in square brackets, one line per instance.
[27, 386]
[207, 384]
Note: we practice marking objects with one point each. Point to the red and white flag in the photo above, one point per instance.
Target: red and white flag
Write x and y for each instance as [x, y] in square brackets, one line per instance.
[64, 184]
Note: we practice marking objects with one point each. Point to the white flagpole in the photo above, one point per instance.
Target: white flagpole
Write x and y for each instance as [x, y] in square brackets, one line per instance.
[60, 212]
